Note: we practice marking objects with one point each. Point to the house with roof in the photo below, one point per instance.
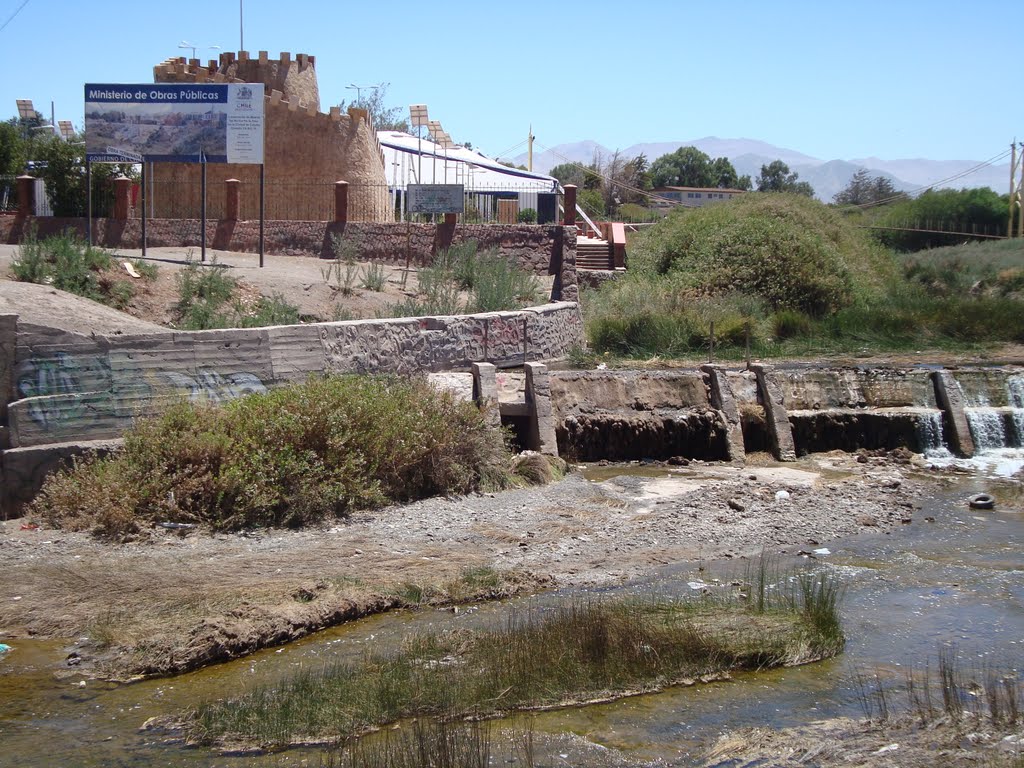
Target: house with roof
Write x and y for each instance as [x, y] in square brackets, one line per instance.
[694, 197]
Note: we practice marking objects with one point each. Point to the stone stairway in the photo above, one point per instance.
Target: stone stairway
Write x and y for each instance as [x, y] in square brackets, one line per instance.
[593, 253]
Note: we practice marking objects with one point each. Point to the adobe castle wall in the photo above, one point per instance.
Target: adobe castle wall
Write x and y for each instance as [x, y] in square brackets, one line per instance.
[303, 146]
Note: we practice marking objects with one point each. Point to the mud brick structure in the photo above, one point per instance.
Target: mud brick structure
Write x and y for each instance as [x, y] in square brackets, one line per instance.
[302, 145]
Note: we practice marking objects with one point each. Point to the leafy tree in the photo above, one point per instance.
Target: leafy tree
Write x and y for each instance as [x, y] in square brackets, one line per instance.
[724, 175]
[864, 189]
[776, 177]
[12, 149]
[686, 167]
[568, 173]
[384, 118]
[961, 211]
[689, 167]
[64, 175]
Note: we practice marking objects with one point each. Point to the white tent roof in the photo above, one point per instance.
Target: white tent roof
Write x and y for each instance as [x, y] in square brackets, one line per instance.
[409, 160]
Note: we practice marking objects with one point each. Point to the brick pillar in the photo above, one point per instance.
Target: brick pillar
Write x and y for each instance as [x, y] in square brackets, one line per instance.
[570, 205]
[122, 195]
[340, 202]
[26, 195]
[231, 191]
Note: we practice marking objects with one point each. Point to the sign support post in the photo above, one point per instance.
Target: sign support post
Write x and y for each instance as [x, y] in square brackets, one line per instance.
[202, 206]
[88, 202]
[262, 211]
[143, 209]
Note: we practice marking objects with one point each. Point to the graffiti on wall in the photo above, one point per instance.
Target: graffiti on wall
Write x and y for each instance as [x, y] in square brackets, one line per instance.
[68, 389]
[45, 379]
[209, 386]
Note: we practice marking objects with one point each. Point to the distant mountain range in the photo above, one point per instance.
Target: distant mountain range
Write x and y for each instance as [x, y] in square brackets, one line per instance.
[828, 177]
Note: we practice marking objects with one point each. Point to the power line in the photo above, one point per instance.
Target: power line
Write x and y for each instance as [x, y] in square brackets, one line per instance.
[954, 177]
[11, 17]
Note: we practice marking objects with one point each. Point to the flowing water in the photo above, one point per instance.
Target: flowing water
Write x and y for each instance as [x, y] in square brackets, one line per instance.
[958, 580]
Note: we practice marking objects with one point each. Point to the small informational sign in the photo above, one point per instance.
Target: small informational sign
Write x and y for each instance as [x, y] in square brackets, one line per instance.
[175, 122]
[436, 198]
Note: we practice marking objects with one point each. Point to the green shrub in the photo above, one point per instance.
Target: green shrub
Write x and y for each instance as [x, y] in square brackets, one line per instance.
[788, 323]
[527, 216]
[293, 456]
[206, 300]
[374, 277]
[788, 250]
[66, 262]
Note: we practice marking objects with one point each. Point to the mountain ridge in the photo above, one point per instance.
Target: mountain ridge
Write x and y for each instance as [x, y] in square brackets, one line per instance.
[827, 177]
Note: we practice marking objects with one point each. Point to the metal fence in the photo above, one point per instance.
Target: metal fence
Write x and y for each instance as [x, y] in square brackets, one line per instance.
[289, 200]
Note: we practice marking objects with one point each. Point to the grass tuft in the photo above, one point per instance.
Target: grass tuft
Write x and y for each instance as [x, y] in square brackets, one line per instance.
[585, 650]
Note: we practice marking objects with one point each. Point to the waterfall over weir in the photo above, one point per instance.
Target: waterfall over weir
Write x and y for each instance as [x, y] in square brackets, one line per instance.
[930, 435]
[999, 425]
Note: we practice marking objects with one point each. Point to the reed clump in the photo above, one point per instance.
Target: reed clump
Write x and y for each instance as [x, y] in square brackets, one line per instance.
[581, 652]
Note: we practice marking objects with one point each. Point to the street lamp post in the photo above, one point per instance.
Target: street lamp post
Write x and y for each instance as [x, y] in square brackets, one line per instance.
[193, 47]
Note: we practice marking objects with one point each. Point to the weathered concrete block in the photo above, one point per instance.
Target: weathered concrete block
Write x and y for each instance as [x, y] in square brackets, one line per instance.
[296, 351]
[25, 469]
[780, 433]
[486, 392]
[459, 384]
[542, 435]
[951, 400]
[722, 399]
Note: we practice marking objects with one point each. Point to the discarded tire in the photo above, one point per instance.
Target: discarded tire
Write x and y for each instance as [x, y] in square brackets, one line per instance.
[981, 501]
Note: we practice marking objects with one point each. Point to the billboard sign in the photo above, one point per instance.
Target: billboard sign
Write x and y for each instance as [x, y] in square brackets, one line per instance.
[436, 198]
[175, 122]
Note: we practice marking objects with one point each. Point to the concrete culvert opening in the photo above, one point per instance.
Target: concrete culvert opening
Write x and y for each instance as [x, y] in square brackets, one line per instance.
[519, 428]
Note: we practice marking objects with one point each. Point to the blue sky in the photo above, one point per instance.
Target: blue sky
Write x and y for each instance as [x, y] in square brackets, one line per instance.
[894, 79]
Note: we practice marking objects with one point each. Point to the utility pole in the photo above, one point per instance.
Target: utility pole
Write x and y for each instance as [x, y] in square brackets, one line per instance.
[529, 149]
[1013, 186]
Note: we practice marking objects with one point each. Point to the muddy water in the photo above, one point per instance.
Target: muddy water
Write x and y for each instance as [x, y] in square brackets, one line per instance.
[958, 580]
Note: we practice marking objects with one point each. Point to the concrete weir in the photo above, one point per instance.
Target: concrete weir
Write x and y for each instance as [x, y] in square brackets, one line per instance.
[720, 414]
[66, 393]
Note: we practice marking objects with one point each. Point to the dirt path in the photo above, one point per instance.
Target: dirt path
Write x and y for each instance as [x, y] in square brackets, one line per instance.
[176, 601]
[316, 286]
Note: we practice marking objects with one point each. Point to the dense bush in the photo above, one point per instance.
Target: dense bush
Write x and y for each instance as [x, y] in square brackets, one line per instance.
[293, 456]
[789, 251]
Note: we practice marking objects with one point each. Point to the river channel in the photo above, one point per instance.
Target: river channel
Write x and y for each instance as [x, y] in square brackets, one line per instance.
[952, 577]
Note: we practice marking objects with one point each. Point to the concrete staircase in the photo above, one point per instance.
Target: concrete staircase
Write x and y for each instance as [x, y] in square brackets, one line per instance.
[593, 253]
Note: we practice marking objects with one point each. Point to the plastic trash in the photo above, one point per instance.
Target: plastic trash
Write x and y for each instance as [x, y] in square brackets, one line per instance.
[4, 648]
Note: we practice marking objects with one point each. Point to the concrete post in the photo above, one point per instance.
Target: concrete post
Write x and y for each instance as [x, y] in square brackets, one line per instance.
[569, 203]
[231, 204]
[8, 342]
[541, 436]
[951, 400]
[780, 433]
[485, 386]
[340, 202]
[722, 399]
[26, 195]
[122, 196]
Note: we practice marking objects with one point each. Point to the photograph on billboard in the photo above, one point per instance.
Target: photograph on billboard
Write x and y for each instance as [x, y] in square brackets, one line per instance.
[174, 122]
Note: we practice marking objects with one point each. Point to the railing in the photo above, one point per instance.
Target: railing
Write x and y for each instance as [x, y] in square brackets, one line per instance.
[314, 200]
